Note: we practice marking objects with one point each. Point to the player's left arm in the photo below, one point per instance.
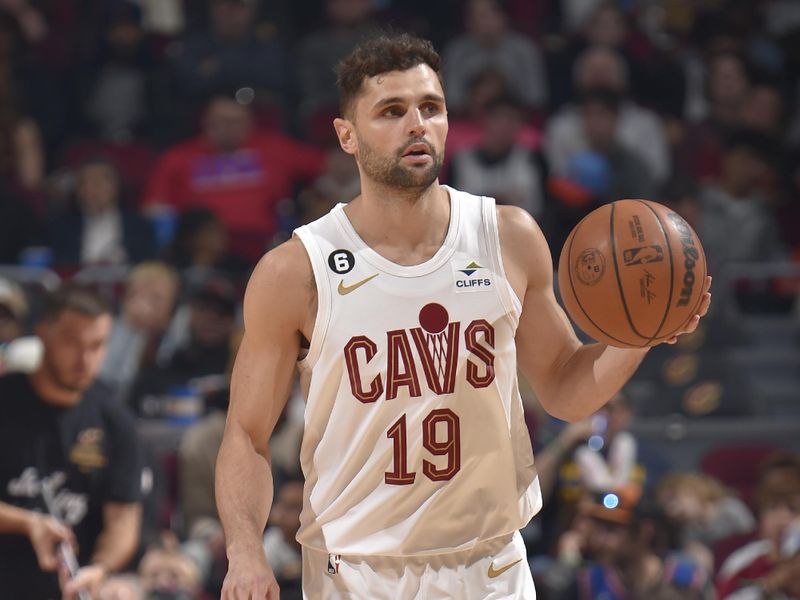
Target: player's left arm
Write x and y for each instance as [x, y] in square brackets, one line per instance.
[572, 380]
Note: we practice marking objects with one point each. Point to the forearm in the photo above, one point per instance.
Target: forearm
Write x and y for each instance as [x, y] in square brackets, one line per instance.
[119, 539]
[244, 490]
[14, 520]
[586, 381]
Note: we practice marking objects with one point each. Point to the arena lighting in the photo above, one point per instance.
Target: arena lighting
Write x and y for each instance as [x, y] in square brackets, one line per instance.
[611, 501]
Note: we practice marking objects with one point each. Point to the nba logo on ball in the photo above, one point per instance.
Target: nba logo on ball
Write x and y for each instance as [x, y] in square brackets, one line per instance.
[590, 266]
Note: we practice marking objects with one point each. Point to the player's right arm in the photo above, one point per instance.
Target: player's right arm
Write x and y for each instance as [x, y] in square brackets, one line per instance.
[44, 532]
[278, 309]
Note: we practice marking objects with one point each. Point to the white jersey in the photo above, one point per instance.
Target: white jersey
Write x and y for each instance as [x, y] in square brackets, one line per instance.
[415, 441]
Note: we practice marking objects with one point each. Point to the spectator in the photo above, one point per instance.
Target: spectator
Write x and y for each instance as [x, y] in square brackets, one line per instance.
[770, 566]
[701, 512]
[62, 437]
[121, 587]
[22, 157]
[201, 244]
[490, 42]
[280, 545]
[735, 223]
[207, 348]
[764, 110]
[500, 166]
[150, 294]
[232, 53]
[167, 573]
[19, 226]
[318, 53]
[99, 228]
[339, 182]
[638, 129]
[237, 172]
[118, 91]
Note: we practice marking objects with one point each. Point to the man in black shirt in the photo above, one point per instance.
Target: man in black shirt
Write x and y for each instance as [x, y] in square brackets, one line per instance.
[59, 430]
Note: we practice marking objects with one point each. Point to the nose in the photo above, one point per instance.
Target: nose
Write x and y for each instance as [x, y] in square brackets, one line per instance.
[416, 127]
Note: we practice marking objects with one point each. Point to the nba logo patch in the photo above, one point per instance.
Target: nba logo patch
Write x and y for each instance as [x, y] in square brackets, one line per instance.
[333, 563]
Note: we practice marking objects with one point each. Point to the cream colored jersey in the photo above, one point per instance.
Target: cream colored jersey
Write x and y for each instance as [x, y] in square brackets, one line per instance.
[415, 441]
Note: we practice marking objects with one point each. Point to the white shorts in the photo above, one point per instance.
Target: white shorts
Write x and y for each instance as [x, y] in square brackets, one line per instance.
[496, 569]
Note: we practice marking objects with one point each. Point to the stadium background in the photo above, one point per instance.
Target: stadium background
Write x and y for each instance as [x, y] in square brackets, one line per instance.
[155, 148]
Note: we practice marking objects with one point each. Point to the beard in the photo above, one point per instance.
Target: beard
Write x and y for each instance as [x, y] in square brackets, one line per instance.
[390, 171]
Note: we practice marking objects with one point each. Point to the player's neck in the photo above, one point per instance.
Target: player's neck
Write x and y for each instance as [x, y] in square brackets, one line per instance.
[406, 229]
[50, 392]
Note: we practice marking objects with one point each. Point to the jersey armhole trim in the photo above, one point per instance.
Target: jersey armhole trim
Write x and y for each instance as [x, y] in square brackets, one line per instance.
[322, 319]
[508, 296]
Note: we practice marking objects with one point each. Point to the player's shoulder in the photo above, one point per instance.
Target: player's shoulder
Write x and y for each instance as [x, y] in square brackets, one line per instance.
[522, 243]
[516, 225]
[283, 273]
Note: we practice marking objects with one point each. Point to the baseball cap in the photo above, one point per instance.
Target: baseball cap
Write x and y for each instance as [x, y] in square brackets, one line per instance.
[13, 299]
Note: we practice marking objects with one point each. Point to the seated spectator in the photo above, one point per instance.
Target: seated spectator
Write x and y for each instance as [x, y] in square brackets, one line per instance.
[770, 566]
[99, 228]
[167, 573]
[232, 53]
[638, 130]
[318, 53]
[201, 245]
[121, 587]
[339, 182]
[701, 512]
[280, 545]
[239, 173]
[150, 294]
[205, 352]
[500, 166]
[489, 42]
[735, 222]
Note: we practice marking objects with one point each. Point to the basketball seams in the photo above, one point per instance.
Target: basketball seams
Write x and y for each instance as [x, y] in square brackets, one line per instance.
[571, 239]
[671, 269]
[619, 281]
[699, 298]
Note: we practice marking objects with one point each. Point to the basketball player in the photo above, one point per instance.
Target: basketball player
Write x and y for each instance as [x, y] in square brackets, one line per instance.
[410, 309]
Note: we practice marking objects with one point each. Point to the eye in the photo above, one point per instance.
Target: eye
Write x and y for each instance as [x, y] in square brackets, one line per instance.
[393, 111]
[430, 108]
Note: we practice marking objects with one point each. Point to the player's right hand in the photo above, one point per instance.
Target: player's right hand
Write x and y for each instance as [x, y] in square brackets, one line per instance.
[250, 578]
[45, 534]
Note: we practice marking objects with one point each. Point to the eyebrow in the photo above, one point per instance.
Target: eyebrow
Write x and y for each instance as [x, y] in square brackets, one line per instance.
[400, 100]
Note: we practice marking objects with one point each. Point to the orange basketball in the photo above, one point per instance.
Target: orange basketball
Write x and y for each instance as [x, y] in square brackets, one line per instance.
[631, 273]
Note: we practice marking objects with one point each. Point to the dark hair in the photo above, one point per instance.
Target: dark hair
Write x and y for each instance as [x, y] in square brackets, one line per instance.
[77, 298]
[381, 54]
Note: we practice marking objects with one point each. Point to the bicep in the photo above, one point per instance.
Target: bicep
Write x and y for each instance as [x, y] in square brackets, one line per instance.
[122, 515]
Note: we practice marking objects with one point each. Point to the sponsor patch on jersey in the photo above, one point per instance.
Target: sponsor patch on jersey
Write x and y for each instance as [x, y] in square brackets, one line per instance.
[471, 277]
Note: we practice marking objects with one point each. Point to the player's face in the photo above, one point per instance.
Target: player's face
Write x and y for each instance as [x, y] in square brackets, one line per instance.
[74, 347]
[400, 127]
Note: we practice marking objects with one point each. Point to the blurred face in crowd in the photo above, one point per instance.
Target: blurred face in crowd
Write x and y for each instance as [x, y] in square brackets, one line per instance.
[486, 19]
[124, 38]
[168, 570]
[97, 188]
[607, 27]
[683, 506]
[285, 513]
[149, 301]
[743, 170]
[120, 588]
[619, 415]
[501, 127]
[209, 326]
[600, 68]
[610, 543]
[74, 348]
[208, 244]
[227, 124]
[762, 110]
[349, 12]
[398, 128]
[599, 125]
[232, 18]
[727, 81]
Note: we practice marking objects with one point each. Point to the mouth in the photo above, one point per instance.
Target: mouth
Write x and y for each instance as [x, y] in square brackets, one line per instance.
[417, 150]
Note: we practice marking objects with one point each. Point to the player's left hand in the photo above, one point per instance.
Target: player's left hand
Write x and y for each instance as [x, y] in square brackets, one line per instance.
[705, 302]
[87, 579]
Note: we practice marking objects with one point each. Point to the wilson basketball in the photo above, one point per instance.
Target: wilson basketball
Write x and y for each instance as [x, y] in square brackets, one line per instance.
[631, 273]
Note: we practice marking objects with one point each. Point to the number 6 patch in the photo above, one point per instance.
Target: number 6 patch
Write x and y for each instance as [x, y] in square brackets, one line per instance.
[341, 261]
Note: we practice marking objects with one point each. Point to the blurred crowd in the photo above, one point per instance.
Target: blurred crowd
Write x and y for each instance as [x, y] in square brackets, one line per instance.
[155, 149]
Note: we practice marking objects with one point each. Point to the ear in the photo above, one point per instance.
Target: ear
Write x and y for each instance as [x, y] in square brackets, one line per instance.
[346, 134]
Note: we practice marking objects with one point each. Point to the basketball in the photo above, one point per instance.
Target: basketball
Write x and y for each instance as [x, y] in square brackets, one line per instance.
[631, 273]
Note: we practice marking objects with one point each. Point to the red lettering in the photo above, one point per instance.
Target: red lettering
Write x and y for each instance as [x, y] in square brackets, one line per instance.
[353, 370]
[450, 446]
[481, 352]
[399, 348]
